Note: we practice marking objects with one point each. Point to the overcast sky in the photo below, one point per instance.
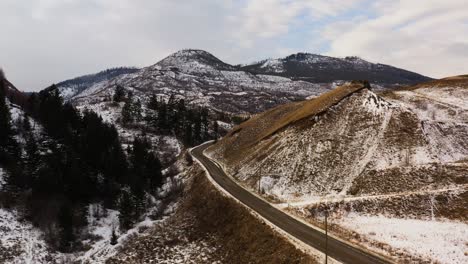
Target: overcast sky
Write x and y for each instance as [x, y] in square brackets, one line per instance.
[47, 41]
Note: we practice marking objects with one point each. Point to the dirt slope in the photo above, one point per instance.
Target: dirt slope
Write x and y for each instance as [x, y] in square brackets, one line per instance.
[216, 228]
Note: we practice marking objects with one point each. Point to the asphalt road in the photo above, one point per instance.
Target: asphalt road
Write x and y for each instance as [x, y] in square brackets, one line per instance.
[336, 249]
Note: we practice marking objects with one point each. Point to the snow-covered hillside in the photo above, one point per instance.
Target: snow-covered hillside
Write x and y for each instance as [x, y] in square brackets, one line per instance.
[202, 79]
[72, 87]
[371, 162]
[366, 144]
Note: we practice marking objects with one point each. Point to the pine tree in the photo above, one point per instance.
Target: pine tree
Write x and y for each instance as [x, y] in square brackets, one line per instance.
[162, 116]
[127, 113]
[65, 221]
[188, 135]
[26, 124]
[31, 160]
[215, 130]
[126, 213]
[153, 172]
[136, 110]
[153, 103]
[114, 237]
[119, 94]
[5, 117]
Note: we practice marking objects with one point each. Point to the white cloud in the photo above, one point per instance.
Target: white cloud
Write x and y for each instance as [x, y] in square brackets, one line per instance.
[271, 18]
[46, 41]
[430, 38]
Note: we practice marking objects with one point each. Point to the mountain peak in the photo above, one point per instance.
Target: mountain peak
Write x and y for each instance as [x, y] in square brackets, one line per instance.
[302, 56]
[191, 58]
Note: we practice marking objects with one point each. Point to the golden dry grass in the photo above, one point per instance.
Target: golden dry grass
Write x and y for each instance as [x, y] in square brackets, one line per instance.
[268, 123]
[453, 81]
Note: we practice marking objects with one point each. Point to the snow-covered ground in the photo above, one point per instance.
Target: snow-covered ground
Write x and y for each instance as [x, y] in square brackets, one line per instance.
[20, 242]
[2, 180]
[442, 241]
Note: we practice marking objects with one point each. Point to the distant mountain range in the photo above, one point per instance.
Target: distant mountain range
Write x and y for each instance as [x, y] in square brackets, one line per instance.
[201, 78]
[318, 69]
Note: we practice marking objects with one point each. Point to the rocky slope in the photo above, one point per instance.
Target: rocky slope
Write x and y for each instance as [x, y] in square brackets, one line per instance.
[319, 69]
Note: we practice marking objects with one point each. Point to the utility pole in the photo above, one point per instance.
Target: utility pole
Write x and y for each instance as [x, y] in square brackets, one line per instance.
[260, 179]
[326, 235]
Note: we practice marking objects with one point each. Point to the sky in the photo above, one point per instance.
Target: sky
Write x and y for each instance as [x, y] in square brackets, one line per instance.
[48, 41]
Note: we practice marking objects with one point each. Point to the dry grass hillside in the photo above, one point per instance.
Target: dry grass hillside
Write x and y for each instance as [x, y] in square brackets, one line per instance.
[208, 227]
[351, 141]
[390, 169]
[268, 123]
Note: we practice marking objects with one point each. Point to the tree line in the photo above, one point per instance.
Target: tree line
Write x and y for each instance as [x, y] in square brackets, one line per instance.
[192, 125]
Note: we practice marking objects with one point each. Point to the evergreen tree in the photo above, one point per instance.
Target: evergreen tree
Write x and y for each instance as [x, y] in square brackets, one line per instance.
[114, 237]
[31, 160]
[162, 116]
[65, 222]
[10, 152]
[215, 130]
[26, 124]
[127, 115]
[119, 94]
[188, 138]
[6, 131]
[136, 110]
[153, 171]
[126, 213]
[153, 103]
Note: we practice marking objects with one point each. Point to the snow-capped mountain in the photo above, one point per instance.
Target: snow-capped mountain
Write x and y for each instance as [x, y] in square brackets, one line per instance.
[202, 79]
[319, 69]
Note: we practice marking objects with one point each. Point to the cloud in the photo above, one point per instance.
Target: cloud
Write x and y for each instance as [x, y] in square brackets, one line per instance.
[430, 38]
[47, 41]
[261, 19]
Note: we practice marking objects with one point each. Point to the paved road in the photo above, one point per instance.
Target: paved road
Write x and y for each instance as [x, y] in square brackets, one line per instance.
[336, 249]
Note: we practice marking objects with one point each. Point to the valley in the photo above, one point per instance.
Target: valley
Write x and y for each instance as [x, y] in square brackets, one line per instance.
[369, 155]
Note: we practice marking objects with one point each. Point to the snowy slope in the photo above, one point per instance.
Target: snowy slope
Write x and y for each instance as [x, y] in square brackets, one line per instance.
[2, 178]
[72, 87]
[202, 79]
[366, 144]
[390, 170]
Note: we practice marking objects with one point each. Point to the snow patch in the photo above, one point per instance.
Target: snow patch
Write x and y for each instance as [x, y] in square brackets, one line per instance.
[443, 241]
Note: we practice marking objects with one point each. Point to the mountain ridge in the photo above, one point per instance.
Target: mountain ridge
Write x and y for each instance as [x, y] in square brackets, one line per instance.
[201, 78]
[317, 68]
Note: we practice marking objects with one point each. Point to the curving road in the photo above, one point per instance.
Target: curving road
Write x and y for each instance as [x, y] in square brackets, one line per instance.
[336, 249]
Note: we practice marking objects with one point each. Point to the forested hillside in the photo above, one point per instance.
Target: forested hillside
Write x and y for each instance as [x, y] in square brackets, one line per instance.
[58, 161]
